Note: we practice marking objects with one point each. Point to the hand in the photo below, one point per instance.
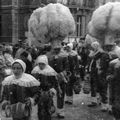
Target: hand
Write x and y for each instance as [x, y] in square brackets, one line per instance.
[109, 78]
[68, 73]
[77, 75]
[99, 72]
[4, 104]
[60, 92]
[52, 92]
[30, 101]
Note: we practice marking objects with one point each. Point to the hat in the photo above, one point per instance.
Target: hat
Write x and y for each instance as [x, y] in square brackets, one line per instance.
[95, 44]
[21, 63]
[70, 45]
[42, 59]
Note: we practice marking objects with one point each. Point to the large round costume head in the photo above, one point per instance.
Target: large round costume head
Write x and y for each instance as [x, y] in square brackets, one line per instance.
[105, 22]
[51, 23]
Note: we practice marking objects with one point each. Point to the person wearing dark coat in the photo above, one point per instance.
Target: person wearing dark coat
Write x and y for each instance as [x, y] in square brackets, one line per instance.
[24, 57]
[58, 60]
[98, 69]
[73, 64]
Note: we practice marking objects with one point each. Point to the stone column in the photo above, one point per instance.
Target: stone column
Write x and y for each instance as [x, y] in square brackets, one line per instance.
[14, 21]
[0, 20]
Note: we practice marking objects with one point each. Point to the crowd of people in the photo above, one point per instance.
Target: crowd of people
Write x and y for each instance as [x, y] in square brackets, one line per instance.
[31, 76]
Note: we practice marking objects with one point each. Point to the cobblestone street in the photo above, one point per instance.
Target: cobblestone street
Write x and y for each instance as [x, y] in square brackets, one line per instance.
[80, 111]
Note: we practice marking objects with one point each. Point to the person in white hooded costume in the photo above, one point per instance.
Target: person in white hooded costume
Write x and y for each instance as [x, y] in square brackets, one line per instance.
[19, 88]
[49, 85]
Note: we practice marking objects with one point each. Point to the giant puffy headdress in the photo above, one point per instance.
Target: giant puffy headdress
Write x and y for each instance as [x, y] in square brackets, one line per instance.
[105, 22]
[51, 23]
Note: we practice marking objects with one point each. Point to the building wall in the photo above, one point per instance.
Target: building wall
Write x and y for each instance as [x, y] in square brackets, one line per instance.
[13, 18]
[15, 15]
[6, 20]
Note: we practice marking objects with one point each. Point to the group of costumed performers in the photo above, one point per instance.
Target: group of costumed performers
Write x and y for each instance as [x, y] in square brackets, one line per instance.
[52, 24]
[104, 26]
[23, 94]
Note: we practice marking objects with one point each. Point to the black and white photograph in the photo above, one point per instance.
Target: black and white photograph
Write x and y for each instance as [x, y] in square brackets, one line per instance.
[59, 59]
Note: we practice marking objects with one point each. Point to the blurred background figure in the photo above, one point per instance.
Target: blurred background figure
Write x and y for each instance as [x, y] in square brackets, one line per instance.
[73, 65]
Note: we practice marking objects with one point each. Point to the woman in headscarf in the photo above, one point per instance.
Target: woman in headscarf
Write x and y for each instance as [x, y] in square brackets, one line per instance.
[20, 88]
[49, 84]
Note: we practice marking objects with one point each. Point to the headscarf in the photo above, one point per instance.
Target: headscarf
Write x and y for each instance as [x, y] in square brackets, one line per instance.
[21, 63]
[95, 45]
[71, 52]
[117, 51]
[70, 45]
[42, 59]
[48, 71]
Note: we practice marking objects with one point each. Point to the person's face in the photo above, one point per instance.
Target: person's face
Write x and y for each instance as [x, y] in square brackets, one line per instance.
[57, 50]
[42, 66]
[109, 48]
[95, 48]
[68, 48]
[17, 69]
[23, 57]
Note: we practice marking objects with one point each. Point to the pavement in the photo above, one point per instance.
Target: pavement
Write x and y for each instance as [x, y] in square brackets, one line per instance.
[80, 111]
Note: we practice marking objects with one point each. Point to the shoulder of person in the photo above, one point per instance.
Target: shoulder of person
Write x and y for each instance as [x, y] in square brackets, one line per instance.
[35, 70]
[8, 80]
[113, 62]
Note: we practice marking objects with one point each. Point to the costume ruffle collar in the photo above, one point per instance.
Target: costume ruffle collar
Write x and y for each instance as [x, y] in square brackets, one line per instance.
[26, 81]
[72, 53]
[48, 71]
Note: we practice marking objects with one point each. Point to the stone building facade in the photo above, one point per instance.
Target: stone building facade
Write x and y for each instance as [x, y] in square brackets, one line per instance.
[14, 16]
[13, 19]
